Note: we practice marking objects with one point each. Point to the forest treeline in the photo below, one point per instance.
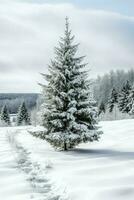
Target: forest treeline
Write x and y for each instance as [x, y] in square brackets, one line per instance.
[13, 100]
[103, 85]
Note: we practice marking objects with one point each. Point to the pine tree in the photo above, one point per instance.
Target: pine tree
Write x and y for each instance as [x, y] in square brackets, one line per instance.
[102, 108]
[131, 112]
[123, 98]
[23, 116]
[5, 118]
[113, 100]
[130, 100]
[69, 112]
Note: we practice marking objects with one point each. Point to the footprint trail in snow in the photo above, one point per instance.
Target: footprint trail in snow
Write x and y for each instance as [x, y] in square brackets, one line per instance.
[36, 175]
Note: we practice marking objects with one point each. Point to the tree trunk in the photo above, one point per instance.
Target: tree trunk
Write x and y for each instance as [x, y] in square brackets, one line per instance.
[65, 146]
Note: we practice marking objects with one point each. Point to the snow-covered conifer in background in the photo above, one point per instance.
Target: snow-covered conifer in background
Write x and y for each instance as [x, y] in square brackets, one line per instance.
[69, 114]
[23, 115]
[130, 101]
[113, 100]
[131, 112]
[5, 118]
[123, 98]
[102, 108]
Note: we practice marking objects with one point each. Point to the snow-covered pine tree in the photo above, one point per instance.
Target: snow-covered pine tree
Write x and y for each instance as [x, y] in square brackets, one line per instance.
[5, 118]
[113, 100]
[131, 112]
[69, 115]
[23, 115]
[123, 98]
[102, 108]
[129, 106]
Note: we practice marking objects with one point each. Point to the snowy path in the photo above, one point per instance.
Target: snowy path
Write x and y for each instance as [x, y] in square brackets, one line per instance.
[12, 183]
[31, 169]
[20, 177]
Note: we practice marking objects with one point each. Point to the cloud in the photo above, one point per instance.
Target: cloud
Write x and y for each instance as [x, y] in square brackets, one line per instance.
[29, 32]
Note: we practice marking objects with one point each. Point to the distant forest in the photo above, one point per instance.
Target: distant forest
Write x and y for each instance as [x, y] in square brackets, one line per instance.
[13, 100]
[102, 88]
[103, 85]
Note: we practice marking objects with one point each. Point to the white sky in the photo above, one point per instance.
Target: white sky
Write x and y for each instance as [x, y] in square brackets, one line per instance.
[29, 32]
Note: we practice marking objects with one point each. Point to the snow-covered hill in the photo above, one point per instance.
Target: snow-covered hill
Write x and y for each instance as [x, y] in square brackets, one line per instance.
[104, 170]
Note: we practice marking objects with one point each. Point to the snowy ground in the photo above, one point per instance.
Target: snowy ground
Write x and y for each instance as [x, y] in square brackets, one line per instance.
[31, 169]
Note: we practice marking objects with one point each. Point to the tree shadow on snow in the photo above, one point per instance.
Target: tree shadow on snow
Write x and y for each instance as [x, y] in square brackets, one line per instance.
[103, 153]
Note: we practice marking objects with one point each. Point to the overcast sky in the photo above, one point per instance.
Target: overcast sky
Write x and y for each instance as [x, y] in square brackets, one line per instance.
[29, 30]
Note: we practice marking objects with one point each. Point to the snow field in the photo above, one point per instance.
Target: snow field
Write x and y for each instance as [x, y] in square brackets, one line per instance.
[101, 170]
